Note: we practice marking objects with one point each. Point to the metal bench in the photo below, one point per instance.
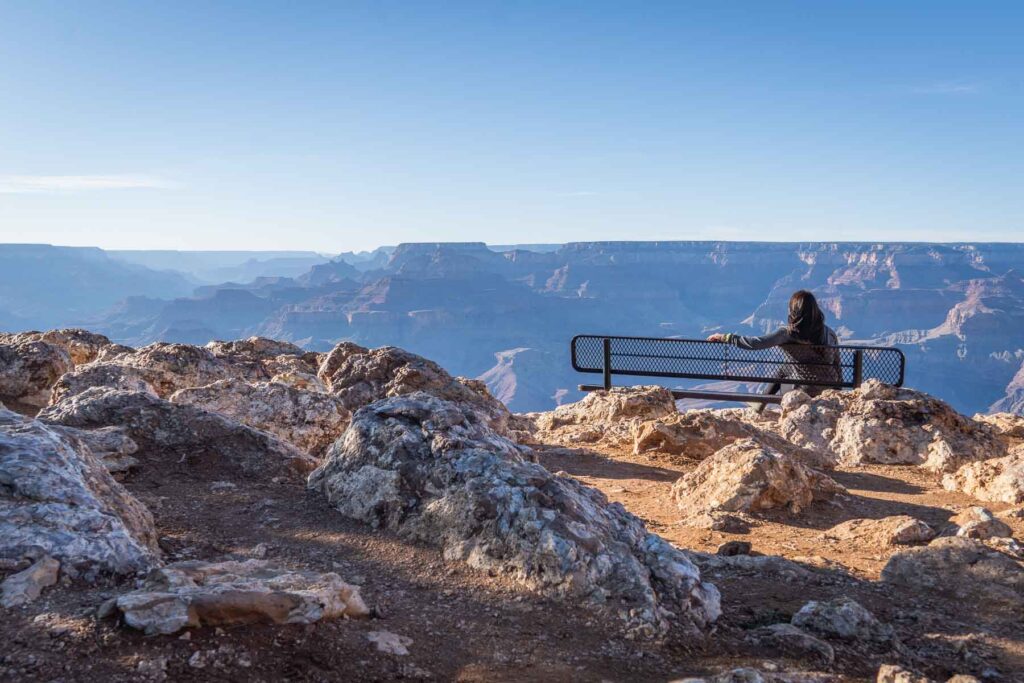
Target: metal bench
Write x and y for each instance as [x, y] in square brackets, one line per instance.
[832, 367]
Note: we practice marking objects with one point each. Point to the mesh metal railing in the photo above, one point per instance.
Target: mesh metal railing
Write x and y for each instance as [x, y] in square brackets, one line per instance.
[831, 366]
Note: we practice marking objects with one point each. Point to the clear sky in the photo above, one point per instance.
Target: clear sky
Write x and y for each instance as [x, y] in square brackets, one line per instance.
[336, 126]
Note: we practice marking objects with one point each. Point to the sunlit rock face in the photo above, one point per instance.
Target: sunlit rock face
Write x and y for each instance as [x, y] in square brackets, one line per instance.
[192, 436]
[58, 498]
[434, 471]
[359, 376]
[882, 424]
[28, 371]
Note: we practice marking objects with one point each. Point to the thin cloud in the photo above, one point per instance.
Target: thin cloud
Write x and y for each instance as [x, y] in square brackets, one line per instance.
[948, 88]
[31, 184]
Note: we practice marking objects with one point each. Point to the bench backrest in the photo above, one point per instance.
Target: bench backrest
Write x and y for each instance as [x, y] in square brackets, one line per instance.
[828, 366]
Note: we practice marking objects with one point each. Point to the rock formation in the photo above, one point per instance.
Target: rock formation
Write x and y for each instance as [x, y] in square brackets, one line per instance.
[104, 374]
[895, 530]
[978, 522]
[189, 594]
[360, 376]
[170, 367]
[843, 619]
[28, 370]
[81, 345]
[999, 480]
[434, 471]
[308, 420]
[1008, 426]
[878, 423]
[169, 433]
[28, 584]
[59, 499]
[962, 568]
[608, 417]
[748, 477]
[111, 445]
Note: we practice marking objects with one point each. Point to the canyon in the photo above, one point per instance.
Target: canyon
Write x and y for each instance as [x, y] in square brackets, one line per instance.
[506, 314]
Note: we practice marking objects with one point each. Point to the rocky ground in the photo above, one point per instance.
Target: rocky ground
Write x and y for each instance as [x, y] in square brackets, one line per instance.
[250, 511]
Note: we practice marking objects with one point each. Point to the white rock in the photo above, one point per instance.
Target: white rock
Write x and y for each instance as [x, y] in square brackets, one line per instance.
[28, 371]
[748, 477]
[360, 376]
[61, 499]
[27, 585]
[308, 420]
[999, 480]
[390, 643]
[894, 530]
[434, 471]
[188, 594]
[163, 430]
[978, 522]
[977, 576]
[878, 423]
[844, 619]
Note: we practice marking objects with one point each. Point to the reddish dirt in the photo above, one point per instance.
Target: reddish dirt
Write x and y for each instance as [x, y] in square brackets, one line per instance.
[470, 626]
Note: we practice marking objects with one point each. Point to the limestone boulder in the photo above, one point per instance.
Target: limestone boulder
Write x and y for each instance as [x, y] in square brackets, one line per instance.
[1008, 426]
[260, 358]
[28, 584]
[28, 371]
[105, 374]
[81, 345]
[894, 530]
[174, 434]
[878, 423]
[978, 522]
[607, 417]
[434, 471]
[842, 619]
[697, 434]
[962, 568]
[170, 367]
[892, 673]
[748, 477]
[58, 499]
[793, 641]
[190, 594]
[998, 480]
[111, 445]
[359, 376]
[308, 420]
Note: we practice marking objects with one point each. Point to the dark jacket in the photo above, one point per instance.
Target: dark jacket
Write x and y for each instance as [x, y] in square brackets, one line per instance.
[806, 360]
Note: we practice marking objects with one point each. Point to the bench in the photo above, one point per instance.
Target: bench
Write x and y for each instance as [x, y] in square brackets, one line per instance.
[828, 367]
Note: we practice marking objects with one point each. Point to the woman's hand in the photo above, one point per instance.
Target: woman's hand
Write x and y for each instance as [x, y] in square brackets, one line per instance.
[716, 337]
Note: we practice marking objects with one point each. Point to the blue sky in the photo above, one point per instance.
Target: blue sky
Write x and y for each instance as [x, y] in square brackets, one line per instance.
[337, 126]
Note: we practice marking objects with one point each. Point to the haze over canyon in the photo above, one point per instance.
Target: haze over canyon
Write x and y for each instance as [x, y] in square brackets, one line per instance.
[505, 314]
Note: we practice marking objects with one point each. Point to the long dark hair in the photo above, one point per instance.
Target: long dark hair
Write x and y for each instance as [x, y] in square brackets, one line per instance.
[806, 321]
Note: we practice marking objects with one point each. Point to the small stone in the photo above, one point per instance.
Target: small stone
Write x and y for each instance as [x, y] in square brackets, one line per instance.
[795, 642]
[730, 548]
[25, 586]
[844, 619]
[390, 643]
[890, 673]
[978, 522]
[189, 594]
[107, 609]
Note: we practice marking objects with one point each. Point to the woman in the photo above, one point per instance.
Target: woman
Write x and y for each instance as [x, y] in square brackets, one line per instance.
[801, 339]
